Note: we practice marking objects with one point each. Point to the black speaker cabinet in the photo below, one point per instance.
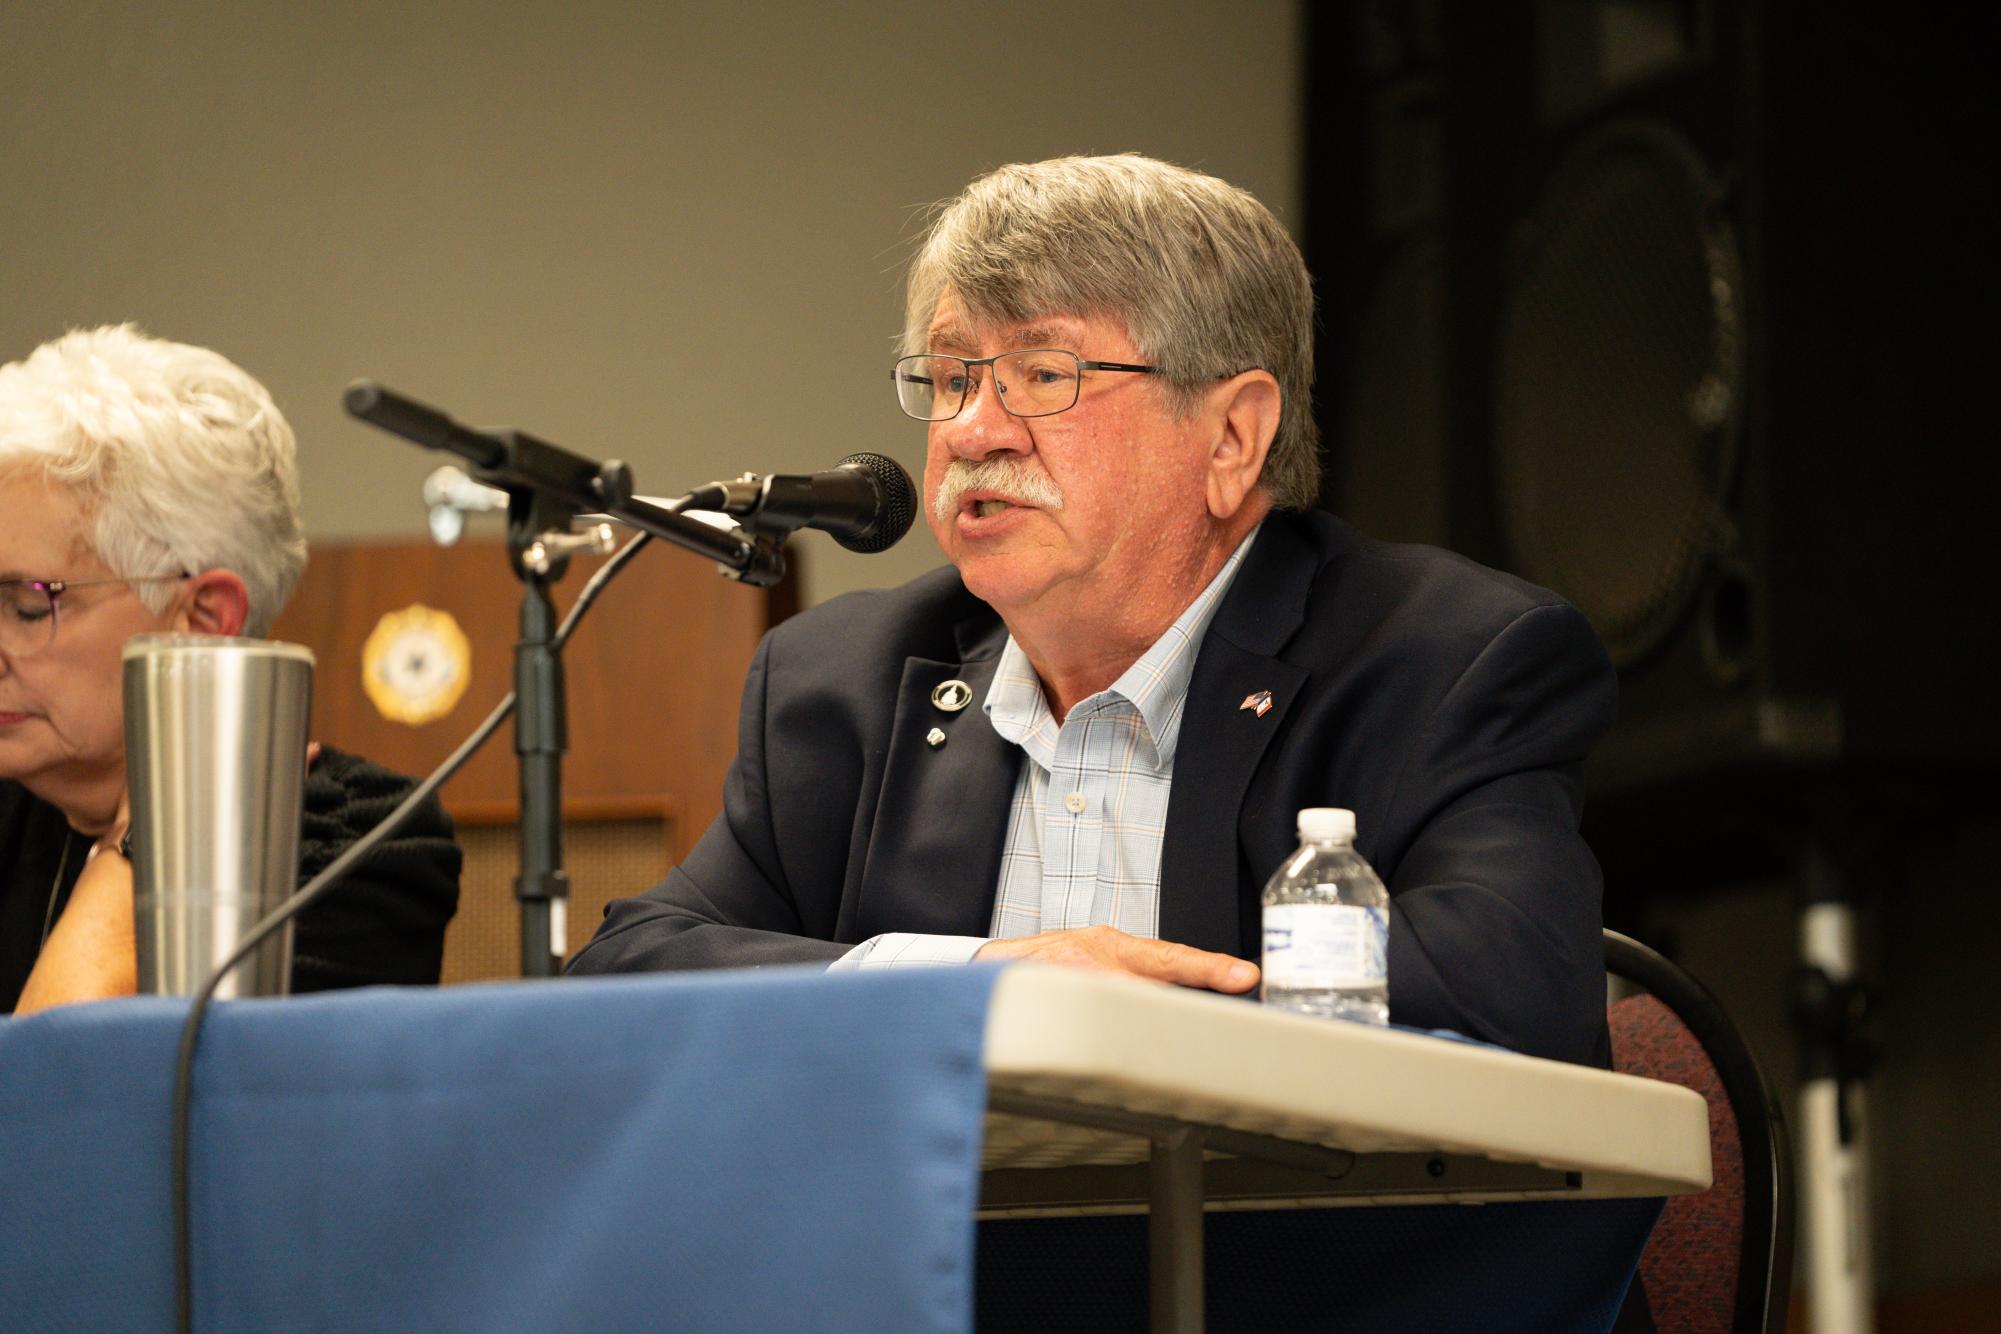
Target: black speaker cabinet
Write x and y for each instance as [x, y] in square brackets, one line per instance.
[1683, 310]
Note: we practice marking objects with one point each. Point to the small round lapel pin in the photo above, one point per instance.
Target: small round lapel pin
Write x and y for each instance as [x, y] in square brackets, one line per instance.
[951, 696]
[935, 737]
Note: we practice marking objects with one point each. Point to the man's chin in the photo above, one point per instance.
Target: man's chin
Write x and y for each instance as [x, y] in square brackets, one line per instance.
[1003, 582]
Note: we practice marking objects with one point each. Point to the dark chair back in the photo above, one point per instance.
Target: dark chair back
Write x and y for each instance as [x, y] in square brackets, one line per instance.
[1721, 1259]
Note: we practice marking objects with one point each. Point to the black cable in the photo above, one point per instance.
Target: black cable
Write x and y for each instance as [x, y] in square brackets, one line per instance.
[595, 585]
[291, 907]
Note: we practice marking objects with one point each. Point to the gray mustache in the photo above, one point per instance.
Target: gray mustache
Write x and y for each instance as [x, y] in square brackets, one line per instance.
[1008, 476]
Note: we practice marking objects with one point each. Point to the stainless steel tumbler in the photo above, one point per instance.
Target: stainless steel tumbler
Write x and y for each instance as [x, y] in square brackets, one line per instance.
[215, 760]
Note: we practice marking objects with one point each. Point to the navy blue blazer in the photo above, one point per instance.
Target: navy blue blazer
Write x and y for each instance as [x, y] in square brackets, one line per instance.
[1447, 705]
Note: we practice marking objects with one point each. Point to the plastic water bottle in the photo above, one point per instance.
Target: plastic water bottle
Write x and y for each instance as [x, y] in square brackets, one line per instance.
[1327, 926]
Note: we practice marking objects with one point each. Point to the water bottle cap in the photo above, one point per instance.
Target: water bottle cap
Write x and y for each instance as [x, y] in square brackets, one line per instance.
[1327, 824]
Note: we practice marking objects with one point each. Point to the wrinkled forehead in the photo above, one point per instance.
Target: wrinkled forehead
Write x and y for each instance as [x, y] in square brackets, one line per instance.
[964, 330]
[44, 531]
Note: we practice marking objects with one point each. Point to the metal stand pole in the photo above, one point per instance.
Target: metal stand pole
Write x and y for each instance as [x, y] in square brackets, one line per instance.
[535, 548]
[1837, 1054]
[540, 740]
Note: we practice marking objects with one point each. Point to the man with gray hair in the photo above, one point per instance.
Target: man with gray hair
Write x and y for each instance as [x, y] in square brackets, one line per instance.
[1086, 740]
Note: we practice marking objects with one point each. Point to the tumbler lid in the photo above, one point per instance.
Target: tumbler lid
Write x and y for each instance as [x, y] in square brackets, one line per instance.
[155, 644]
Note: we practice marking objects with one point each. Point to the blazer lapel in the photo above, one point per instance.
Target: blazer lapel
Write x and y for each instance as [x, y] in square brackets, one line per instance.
[1222, 742]
[934, 852]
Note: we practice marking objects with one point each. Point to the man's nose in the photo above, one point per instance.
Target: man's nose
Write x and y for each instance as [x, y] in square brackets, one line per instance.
[983, 426]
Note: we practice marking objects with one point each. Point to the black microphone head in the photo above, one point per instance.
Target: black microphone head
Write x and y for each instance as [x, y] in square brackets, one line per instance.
[899, 503]
[361, 397]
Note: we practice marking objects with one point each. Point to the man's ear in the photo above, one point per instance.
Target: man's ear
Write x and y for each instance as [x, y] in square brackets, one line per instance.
[214, 603]
[1248, 409]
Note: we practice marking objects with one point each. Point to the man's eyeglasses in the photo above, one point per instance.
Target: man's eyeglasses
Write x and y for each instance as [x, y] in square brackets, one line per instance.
[28, 609]
[1032, 383]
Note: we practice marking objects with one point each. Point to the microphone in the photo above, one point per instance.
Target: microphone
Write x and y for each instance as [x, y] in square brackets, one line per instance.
[867, 502]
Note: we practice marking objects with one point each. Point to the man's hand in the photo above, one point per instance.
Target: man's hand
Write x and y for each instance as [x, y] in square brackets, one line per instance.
[1107, 950]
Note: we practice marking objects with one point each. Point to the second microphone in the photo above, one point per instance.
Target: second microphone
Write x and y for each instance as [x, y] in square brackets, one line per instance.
[866, 503]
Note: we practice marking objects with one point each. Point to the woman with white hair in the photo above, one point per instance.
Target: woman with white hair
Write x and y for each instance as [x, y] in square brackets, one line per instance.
[151, 486]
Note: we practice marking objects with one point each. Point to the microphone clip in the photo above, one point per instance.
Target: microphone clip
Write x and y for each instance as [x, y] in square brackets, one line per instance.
[553, 547]
[743, 498]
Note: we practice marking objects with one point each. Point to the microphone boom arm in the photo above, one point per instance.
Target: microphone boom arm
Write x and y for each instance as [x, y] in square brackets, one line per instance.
[518, 462]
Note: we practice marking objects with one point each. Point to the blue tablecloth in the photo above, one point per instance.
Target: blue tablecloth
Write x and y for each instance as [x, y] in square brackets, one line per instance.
[778, 1151]
[781, 1149]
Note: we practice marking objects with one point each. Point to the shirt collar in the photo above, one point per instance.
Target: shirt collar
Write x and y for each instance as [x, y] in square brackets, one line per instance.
[1156, 685]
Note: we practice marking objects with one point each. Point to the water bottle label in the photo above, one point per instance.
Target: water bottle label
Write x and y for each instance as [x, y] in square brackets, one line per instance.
[1325, 945]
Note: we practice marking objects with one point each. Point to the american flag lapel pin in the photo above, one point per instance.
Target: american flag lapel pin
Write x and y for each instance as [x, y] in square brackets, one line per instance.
[1258, 701]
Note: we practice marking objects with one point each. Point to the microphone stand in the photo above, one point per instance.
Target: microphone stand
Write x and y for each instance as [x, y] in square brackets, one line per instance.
[541, 736]
[548, 488]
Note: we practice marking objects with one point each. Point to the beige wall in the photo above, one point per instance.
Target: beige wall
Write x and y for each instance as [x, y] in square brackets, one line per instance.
[670, 233]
